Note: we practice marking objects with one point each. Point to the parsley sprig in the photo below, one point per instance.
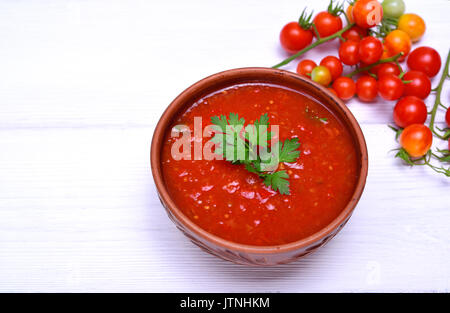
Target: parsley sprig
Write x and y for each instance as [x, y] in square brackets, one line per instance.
[249, 145]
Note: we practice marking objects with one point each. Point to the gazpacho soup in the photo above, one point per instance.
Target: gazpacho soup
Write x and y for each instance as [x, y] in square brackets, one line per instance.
[244, 200]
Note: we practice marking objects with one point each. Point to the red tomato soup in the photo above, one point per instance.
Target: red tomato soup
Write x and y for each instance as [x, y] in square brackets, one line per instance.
[232, 203]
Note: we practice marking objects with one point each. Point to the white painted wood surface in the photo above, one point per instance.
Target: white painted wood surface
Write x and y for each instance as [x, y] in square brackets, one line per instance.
[82, 85]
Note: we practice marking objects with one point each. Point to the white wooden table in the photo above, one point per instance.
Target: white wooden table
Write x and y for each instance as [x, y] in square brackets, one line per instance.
[82, 86]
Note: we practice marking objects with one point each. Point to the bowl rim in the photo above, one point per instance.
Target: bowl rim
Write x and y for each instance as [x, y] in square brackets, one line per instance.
[177, 104]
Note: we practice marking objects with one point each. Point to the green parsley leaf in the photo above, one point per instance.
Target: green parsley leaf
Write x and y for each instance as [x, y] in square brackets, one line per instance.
[288, 151]
[235, 120]
[278, 181]
[239, 149]
[220, 121]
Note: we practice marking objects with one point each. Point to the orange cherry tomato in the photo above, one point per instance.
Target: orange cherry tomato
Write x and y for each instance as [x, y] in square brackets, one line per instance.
[398, 41]
[349, 13]
[416, 139]
[367, 13]
[385, 54]
[413, 25]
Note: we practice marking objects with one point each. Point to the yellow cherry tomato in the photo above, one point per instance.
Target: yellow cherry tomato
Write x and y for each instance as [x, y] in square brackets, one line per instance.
[413, 25]
[321, 75]
[398, 41]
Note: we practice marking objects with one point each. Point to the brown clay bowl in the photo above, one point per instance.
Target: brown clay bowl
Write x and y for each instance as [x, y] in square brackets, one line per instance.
[247, 254]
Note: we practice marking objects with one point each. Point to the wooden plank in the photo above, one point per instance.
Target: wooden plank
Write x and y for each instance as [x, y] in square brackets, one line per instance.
[82, 85]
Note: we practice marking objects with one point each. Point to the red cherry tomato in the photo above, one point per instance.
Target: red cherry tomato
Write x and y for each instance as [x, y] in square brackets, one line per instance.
[367, 13]
[410, 110]
[355, 33]
[334, 65]
[425, 59]
[447, 117]
[420, 85]
[345, 87]
[370, 50]
[388, 68]
[294, 38]
[390, 87]
[327, 24]
[366, 88]
[416, 139]
[349, 52]
[305, 67]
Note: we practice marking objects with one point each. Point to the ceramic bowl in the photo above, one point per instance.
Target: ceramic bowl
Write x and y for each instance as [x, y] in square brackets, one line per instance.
[232, 251]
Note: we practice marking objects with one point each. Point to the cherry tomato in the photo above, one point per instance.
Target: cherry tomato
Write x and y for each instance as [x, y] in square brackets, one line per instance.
[388, 68]
[390, 87]
[413, 25]
[447, 117]
[374, 69]
[425, 59]
[327, 24]
[393, 8]
[416, 139]
[349, 52]
[410, 110]
[398, 41]
[321, 75]
[305, 67]
[370, 50]
[345, 87]
[420, 85]
[334, 65]
[366, 88]
[355, 33]
[367, 13]
[294, 38]
[349, 13]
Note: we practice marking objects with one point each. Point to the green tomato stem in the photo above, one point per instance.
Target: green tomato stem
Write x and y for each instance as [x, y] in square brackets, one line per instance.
[437, 101]
[316, 31]
[368, 67]
[318, 42]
